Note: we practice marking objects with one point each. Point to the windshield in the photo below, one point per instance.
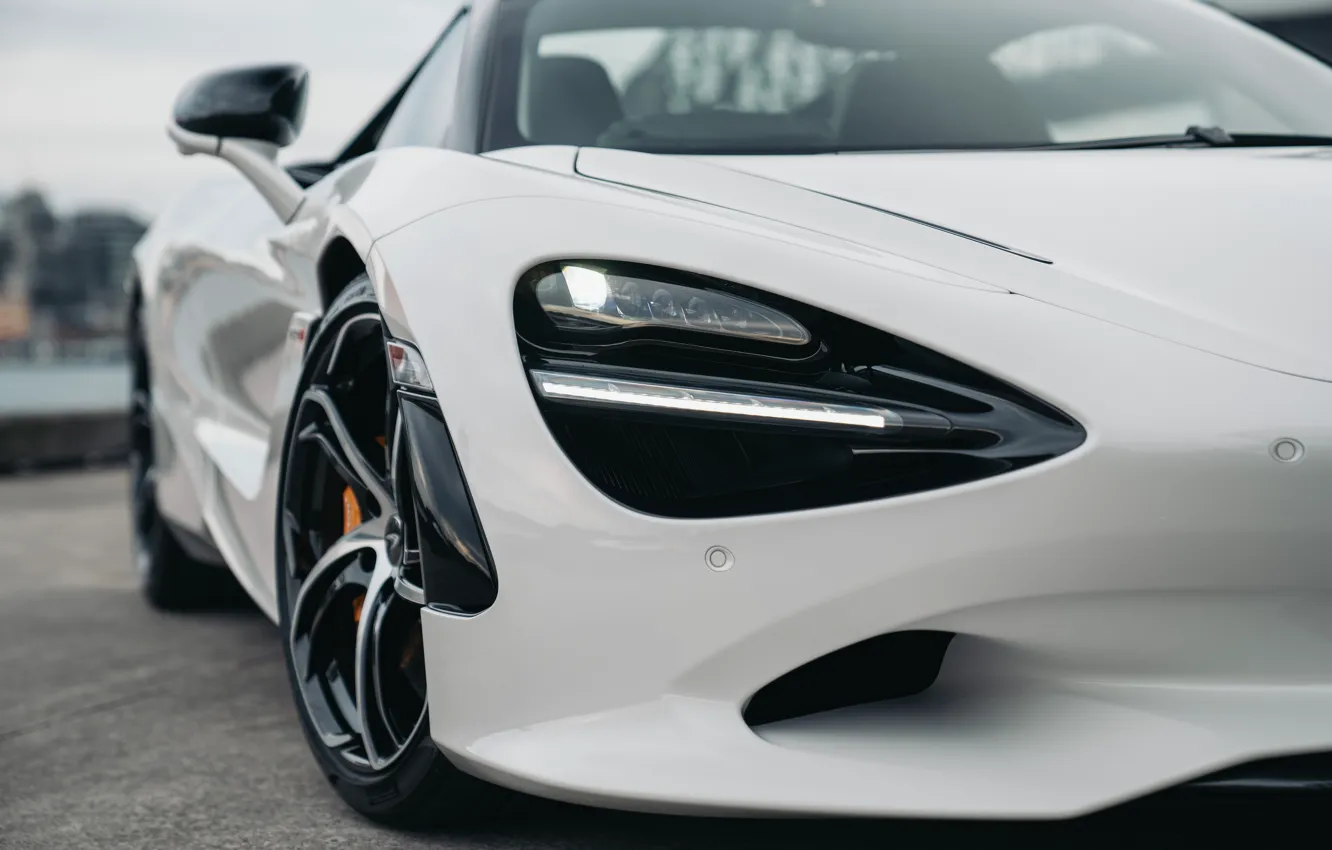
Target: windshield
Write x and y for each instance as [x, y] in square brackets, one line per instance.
[797, 76]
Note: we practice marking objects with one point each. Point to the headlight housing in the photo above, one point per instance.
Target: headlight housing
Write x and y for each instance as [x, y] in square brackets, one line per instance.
[791, 408]
[594, 298]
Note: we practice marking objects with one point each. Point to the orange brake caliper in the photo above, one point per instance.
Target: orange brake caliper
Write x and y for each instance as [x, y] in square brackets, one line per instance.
[351, 517]
[351, 511]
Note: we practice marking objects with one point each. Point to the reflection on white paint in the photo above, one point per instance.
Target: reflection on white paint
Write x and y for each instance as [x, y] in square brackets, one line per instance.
[237, 455]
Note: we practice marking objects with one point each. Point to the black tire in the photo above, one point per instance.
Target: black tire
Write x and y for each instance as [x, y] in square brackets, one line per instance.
[389, 774]
[169, 578]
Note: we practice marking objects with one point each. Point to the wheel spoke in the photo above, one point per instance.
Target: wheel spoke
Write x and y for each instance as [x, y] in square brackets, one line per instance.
[333, 360]
[312, 433]
[408, 591]
[330, 694]
[345, 700]
[376, 670]
[369, 704]
[311, 662]
[367, 536]
[292, 540]
[339, 741]
[336, 441]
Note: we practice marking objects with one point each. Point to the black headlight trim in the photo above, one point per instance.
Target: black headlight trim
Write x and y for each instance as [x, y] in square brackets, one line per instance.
[961, 424]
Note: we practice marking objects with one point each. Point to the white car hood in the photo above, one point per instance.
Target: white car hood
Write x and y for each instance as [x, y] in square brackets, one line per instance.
[1226, 250]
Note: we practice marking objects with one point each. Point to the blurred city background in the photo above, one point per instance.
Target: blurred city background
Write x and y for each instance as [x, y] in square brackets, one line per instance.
[84, 165]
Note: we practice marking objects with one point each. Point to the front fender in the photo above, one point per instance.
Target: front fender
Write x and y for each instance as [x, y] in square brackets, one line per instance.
[563, 546]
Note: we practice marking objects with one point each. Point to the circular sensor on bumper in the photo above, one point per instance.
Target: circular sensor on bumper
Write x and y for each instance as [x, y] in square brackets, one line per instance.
[719, 559]
[1287, 450]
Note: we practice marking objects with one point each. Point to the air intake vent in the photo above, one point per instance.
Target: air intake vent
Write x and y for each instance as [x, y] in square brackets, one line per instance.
[891, 666]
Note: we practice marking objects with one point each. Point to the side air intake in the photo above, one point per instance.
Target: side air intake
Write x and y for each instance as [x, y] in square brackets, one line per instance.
[891, 666]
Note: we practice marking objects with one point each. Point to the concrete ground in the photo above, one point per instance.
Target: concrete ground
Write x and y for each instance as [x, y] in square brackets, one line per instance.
[121, 727]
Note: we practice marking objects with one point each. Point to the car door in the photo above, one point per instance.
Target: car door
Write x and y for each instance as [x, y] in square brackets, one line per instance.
[226, 289]
[226, 297]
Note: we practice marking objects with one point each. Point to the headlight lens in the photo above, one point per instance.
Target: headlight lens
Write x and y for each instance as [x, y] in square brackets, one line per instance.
[583, 298]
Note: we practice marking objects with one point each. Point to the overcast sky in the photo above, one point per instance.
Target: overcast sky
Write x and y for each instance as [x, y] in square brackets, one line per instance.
[86, 86]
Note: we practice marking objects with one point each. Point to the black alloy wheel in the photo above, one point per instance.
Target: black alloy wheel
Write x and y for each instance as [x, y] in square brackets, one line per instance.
[349, 586]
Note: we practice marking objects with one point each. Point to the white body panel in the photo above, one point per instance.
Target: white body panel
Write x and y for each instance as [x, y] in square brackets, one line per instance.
[1229, 241]
[1151, 607]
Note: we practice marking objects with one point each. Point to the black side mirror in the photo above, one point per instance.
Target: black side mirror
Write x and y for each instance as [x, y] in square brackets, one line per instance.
[263, 104]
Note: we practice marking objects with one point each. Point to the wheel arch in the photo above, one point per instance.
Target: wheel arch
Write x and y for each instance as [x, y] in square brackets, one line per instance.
[338, 266]
[342, 262]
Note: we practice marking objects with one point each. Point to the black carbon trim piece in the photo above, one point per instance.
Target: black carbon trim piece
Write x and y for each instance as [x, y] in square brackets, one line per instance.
[456, 568]
[1310, 773]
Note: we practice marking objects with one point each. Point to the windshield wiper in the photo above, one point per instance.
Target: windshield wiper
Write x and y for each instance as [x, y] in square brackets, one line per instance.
[1215, 137]
[1279, 140]
[1207, 136]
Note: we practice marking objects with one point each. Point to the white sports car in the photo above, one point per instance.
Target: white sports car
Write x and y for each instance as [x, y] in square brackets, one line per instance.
[838, 407]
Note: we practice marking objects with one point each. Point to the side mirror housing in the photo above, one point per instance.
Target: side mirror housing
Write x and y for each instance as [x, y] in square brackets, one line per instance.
[244, 116]
[263, 104]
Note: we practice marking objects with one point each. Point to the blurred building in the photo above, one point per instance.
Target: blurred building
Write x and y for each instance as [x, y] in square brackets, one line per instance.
[62, 279]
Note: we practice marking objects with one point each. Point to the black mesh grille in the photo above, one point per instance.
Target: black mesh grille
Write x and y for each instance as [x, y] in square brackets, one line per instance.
[684, 471]
[636, 462]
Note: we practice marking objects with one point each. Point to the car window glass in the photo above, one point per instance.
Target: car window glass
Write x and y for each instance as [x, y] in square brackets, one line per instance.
[792, 76]
[426, 110]
[657, 72]
[1097, 81]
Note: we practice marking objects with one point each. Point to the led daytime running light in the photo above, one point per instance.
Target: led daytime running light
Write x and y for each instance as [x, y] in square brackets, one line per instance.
[635, 394]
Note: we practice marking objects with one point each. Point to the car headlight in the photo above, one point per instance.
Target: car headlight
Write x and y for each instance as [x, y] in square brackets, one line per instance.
[751, 403]
[583, 297]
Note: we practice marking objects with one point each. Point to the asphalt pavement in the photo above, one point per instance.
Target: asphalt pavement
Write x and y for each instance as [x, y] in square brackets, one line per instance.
[121, 727]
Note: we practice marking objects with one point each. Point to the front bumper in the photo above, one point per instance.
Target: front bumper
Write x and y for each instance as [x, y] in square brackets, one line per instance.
[1153, 607]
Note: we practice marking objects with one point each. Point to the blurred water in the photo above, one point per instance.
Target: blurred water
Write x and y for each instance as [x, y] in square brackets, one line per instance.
[54, 388]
